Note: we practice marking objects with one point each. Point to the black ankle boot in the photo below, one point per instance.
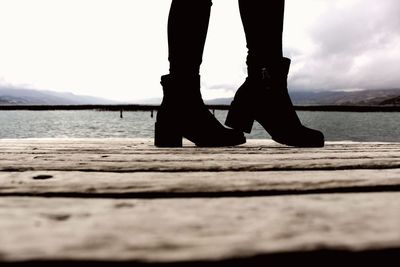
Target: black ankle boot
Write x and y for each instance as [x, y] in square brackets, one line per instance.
[183, 114]
[264, 97]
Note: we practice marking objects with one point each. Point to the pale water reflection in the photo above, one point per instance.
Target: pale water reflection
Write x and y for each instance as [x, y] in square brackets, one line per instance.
[337, 126]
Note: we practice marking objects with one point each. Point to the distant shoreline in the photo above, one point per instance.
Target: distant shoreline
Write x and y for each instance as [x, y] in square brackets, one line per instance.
[132, 107]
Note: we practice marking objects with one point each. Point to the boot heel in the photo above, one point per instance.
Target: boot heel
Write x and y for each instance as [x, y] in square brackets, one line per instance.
[166, 135]
[239, 120]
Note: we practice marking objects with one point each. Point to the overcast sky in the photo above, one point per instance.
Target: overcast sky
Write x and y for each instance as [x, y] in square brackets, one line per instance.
[117, 49]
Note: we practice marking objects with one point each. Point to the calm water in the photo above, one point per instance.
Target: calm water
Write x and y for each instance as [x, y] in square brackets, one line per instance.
[337, 126]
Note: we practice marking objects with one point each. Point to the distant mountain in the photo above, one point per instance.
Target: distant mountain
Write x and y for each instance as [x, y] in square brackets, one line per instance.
[148, 101]
[25, 96]
[357, 98]
[395, 101]
[219, 101]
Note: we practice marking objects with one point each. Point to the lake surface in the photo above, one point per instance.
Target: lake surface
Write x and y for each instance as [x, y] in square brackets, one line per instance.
[337, 126]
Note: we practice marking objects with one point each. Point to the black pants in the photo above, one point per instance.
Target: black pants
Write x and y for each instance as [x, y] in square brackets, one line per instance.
[188, 26]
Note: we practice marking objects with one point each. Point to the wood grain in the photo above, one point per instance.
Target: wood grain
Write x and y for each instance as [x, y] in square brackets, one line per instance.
[132, 155]
[211, 184]
[115, 200]
[195, 229]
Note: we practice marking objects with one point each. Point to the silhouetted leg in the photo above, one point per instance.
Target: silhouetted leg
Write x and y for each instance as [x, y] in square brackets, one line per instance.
[187, 31]
[182, 112]
[263, 26]
[264, 95]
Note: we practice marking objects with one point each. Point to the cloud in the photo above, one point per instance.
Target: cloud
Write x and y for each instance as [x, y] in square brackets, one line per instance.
[354, 46]
[120, 52]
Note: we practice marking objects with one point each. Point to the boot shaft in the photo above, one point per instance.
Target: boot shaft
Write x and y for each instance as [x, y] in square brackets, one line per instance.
[181, 90]
[277, 70]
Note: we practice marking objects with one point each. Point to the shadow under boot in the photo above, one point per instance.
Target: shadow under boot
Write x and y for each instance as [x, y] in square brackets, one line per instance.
[264, 98]
[184, 114]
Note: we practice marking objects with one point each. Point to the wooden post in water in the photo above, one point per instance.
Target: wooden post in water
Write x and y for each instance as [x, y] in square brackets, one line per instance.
[121, 115]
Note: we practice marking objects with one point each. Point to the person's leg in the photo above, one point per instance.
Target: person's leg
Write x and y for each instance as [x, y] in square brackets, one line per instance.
[182, 112]
[264, 96]
[187, 30]
[263, 26]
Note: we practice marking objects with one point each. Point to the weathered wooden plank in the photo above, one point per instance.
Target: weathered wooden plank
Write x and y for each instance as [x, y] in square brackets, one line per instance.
[198, 164]
[149, 184]
[195, 229]
[131, 155]
[122, 145]
[213, 228]
[127, 145]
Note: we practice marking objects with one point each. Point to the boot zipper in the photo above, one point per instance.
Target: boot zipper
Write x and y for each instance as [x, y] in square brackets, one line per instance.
[265, 74]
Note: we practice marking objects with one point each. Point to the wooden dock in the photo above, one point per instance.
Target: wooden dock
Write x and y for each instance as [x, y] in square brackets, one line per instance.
[123, 202]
